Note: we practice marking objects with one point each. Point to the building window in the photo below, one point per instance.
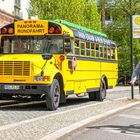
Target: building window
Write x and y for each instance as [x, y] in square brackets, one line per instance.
[17, 3]
[17, 8]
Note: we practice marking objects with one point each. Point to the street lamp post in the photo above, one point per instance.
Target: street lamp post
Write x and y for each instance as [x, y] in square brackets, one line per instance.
[132, 60]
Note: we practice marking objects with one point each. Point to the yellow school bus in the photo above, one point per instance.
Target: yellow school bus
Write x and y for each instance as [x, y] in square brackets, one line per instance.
[53, 59]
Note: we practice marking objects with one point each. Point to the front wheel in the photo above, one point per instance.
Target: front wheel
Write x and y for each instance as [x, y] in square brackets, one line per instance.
[101, 94]
[53, 97]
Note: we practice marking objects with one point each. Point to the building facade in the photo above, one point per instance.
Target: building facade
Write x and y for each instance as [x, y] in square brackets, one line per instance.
[12, 10]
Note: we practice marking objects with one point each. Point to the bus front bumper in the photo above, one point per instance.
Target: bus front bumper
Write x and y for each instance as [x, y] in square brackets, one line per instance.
[23, 89]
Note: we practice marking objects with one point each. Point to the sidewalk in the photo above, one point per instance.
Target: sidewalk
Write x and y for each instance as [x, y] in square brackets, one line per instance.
[55, 125]
[120, 88]
[90, 115]
[101, 111]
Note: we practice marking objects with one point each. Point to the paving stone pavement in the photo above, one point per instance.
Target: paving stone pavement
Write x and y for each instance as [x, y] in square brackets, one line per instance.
[35, 124]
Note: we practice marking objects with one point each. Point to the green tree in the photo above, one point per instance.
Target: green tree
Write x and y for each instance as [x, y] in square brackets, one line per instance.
[119, 30]
[103, 6]
[81, 12]
[92, 17]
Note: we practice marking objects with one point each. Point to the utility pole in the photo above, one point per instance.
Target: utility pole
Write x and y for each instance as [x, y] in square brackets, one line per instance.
[131, 48]
[132, 59]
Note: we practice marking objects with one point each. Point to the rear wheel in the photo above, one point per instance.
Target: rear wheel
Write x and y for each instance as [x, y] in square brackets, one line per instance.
[53, 97]
[101, 94]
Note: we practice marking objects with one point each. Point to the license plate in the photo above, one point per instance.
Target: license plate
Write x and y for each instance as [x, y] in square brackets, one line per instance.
[11, 87]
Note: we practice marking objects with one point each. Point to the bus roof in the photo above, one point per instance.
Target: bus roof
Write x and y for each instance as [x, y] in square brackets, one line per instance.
[81, 28]
[41, 27]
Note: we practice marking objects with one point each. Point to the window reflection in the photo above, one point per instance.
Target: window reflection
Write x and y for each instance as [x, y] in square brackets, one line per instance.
[32, 44]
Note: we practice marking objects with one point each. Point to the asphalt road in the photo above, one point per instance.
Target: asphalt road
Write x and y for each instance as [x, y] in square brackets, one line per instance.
[121, 126]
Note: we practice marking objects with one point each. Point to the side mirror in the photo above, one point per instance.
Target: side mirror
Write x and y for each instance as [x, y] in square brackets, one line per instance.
[67, 43]
[46, 56]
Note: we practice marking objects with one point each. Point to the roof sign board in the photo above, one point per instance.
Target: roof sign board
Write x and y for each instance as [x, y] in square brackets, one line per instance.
[31, 27]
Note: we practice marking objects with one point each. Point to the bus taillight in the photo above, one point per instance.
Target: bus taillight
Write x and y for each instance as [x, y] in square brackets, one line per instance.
[51, 30]
[54, 28]
[4, 31]
[57, 30]
[10, 30]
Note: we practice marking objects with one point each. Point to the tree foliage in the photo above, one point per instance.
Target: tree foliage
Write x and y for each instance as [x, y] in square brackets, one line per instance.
[102, 10]
[91, 15]
[81, 12]
[119, 30]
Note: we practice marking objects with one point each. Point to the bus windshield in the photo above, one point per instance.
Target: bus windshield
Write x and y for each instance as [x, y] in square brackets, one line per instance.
[31, 44]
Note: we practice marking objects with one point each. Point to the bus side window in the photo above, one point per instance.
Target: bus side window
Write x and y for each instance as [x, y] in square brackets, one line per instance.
[76, 47]
[72, 47]
[101, 51]
[92, 50]
[113, 53]
[97, 50]
[87, 48]
[108, 53]
[105, 52]
[82, 48]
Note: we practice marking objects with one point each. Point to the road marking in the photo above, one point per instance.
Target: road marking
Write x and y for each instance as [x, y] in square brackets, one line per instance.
[130, 116]
[122, 132]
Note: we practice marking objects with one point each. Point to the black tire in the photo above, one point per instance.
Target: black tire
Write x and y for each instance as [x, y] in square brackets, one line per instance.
[101, 94]
[92, 96]
[53, 97]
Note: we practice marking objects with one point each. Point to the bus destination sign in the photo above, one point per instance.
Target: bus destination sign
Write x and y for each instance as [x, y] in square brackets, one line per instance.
[31, 27]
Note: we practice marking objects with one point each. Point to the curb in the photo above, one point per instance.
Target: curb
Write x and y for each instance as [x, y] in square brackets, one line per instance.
[66, 130]
[3, 102]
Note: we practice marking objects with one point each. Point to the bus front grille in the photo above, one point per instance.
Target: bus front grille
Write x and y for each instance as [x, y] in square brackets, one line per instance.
[15, 68]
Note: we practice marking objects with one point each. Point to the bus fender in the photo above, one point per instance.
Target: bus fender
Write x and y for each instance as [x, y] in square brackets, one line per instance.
[104, 79]
[50, 71]
[59, 77]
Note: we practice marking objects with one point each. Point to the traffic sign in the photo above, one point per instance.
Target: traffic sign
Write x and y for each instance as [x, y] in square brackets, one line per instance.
[136, 26]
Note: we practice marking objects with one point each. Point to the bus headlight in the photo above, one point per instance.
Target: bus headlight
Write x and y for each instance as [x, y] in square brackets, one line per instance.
[41, 78]
[38, 78]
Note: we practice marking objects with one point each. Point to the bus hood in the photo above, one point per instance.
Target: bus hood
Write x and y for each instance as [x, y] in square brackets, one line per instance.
[36, 61]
